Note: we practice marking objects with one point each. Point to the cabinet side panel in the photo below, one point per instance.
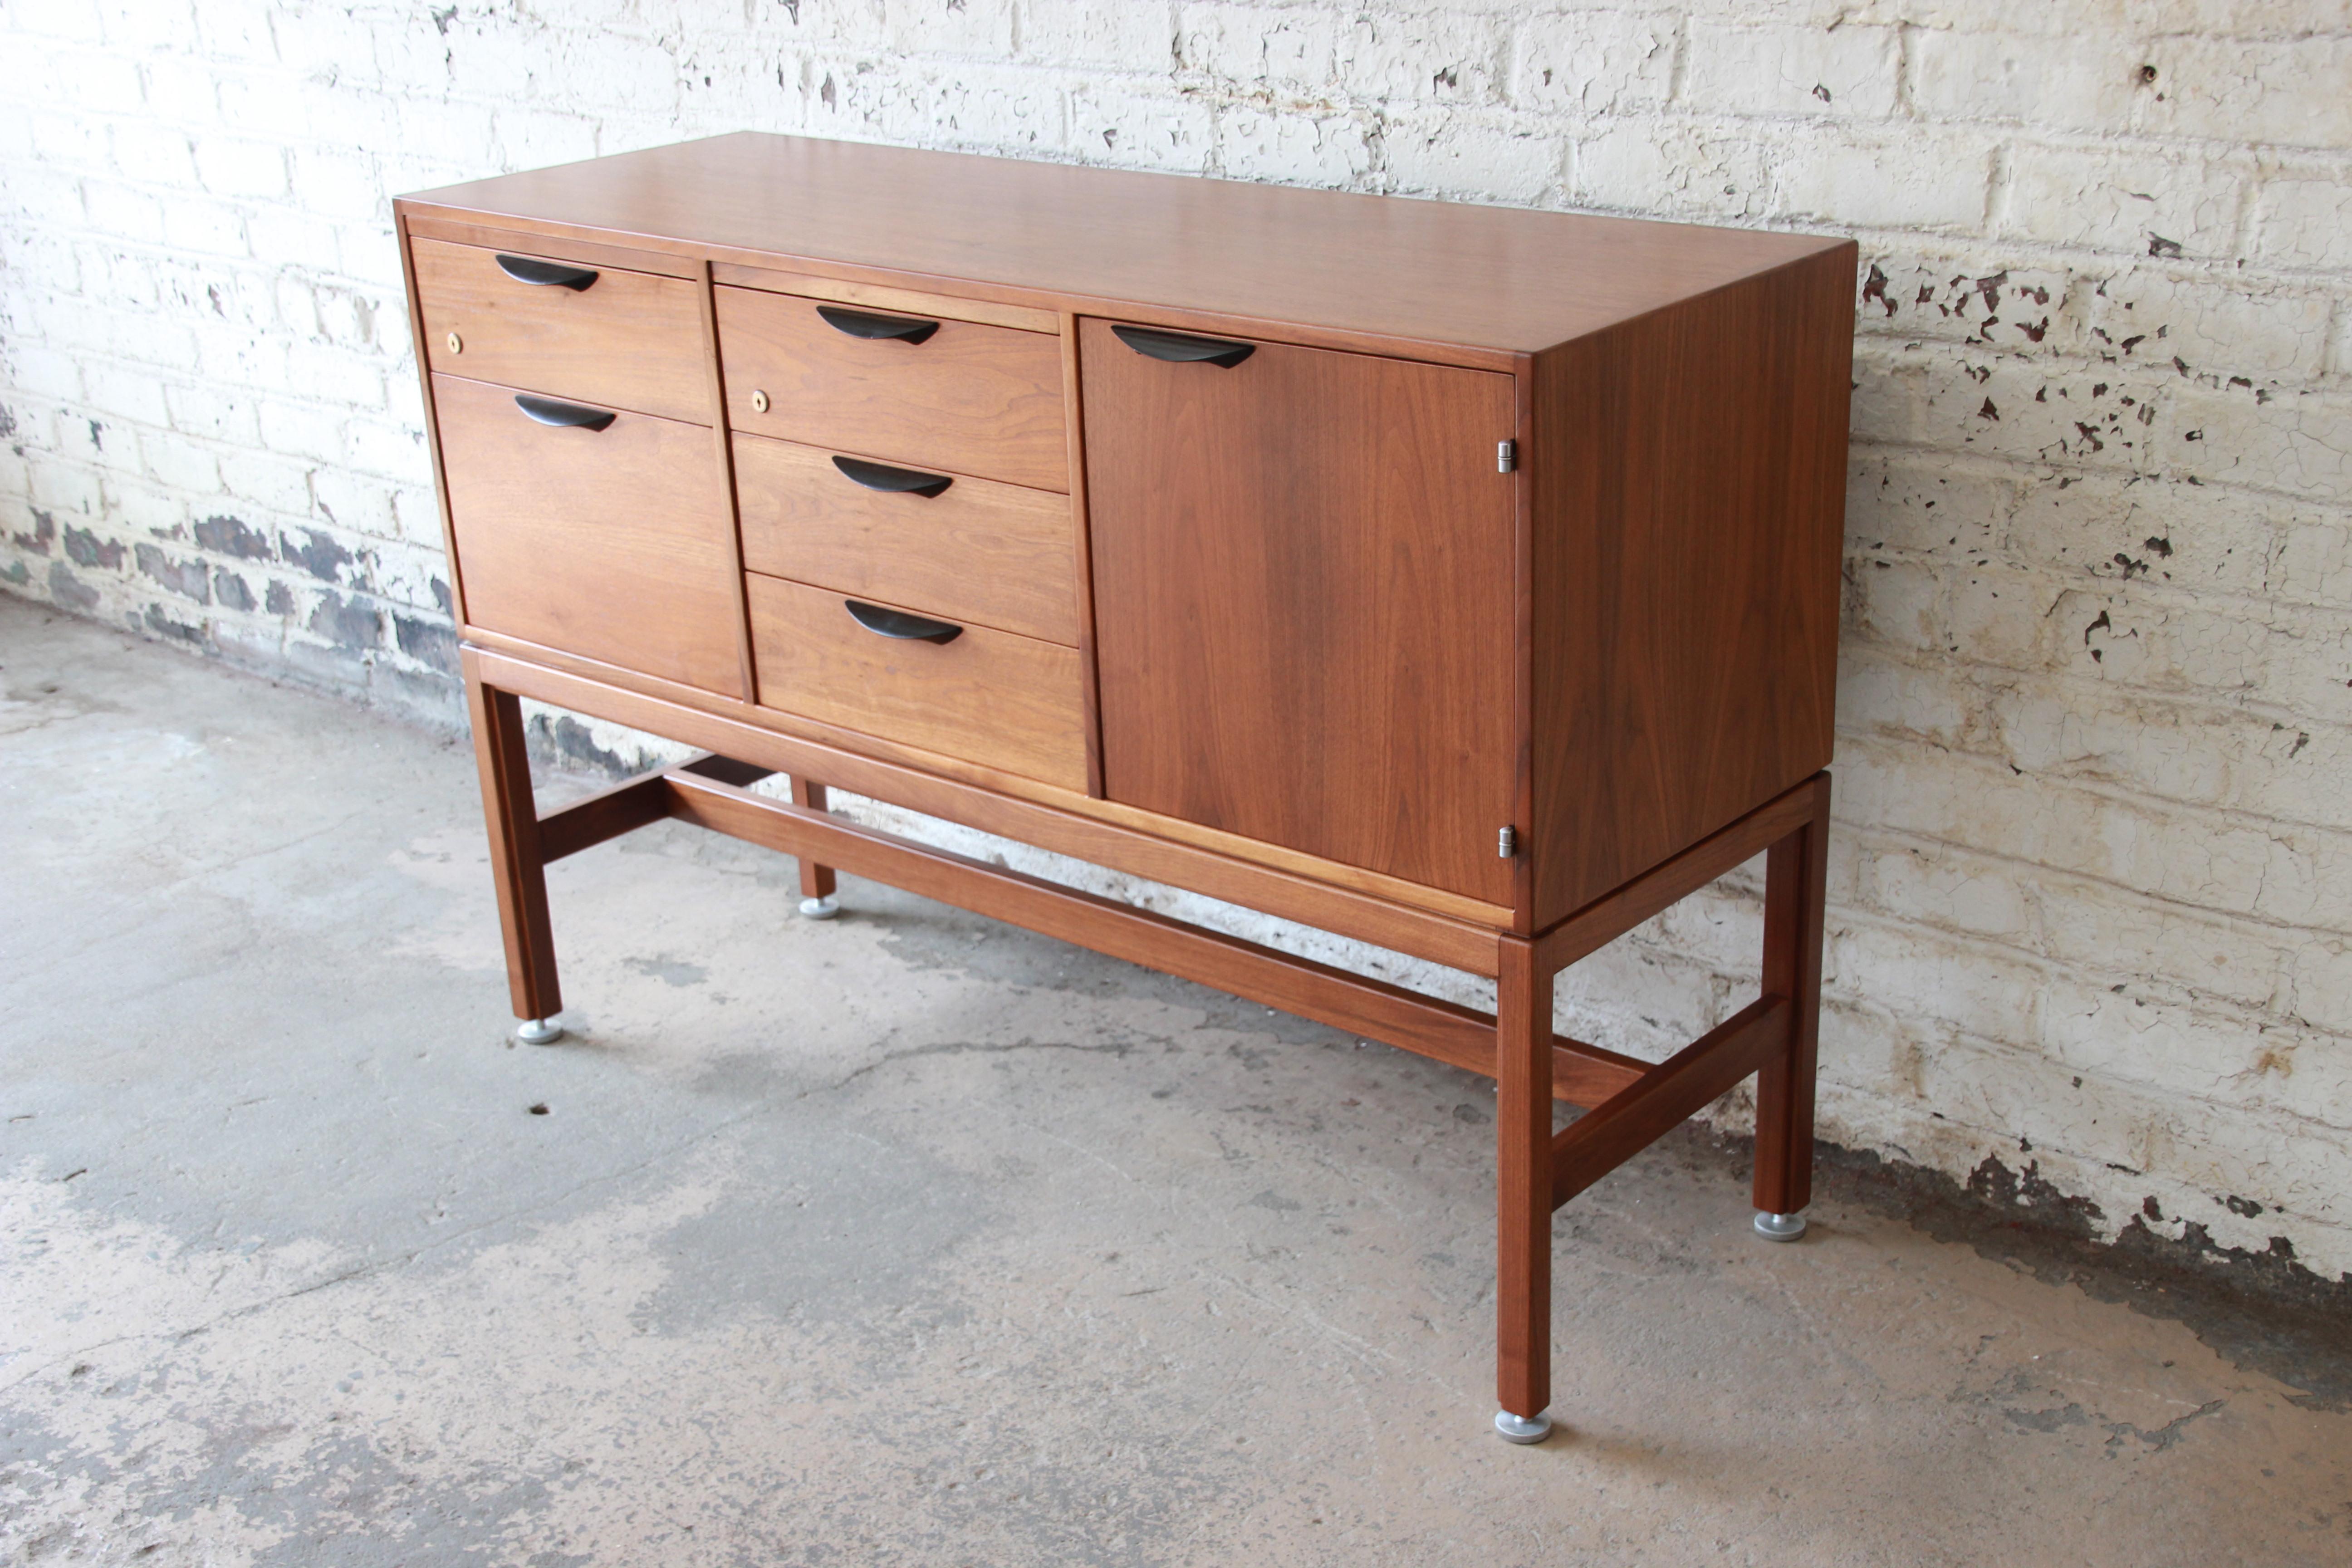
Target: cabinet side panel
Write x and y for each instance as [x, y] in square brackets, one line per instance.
[1689, 499]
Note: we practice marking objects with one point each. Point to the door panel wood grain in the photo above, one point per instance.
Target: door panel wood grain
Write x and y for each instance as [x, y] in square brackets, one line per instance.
[1303, 579]
[610, 543]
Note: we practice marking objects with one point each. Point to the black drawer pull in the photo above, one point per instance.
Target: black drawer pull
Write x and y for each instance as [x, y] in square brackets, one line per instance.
[864, 324]
[897, 481]
[1182, 348]
[900, 624]
[523, 270]
[563, 416]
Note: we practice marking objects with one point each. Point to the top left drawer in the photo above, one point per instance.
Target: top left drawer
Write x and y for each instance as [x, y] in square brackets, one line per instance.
[624, 339]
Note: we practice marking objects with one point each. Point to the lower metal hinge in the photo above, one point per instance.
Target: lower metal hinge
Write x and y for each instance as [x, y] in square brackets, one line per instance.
[1506, 456]
[1506, 843]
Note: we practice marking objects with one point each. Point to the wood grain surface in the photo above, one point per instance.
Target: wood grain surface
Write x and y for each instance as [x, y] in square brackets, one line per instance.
[1303, 590]
[1796, 888]
[1689, 476]
[980, 552]
[517, 862]
[989, 697]
[1499, 279]
[970, 398]
[609, 544]
[880, 297]
[628, 341]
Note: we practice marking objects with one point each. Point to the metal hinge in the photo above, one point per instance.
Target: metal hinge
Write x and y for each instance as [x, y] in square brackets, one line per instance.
[1506, 843]
[1506, 456]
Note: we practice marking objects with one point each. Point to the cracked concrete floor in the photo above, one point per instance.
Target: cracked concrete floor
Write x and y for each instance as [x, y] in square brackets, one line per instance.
[905, 1237]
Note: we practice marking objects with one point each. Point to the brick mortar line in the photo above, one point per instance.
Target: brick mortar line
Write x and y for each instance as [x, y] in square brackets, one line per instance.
[2181, 596]
[1878, 838]
[2232, 817]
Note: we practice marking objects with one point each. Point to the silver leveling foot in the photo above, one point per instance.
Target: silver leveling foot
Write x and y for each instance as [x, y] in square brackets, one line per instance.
[823, 909]
[538, 1031]
[1522, 1428]
[1780, 1227]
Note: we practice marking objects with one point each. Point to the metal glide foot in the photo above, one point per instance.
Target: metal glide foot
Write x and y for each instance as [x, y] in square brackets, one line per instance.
[538, 1031]
[1780, 1227]
[1522, 1428]
[823, 909]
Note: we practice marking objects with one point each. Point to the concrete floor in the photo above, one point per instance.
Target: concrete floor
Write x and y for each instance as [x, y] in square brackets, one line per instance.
[904, 1238]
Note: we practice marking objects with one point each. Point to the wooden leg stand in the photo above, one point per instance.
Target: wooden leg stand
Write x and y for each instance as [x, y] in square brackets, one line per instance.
[1773, 1036]
[817, 900]
[1633, 1103]
[518, 861]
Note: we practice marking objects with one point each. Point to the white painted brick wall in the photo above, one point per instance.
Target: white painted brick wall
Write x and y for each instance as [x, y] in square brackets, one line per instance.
[2092, 883]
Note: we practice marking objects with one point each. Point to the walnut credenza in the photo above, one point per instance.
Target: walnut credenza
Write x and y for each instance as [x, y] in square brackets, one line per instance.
[1457, 579]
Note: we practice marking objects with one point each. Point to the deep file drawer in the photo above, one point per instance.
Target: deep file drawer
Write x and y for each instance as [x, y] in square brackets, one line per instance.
[610, 543]
[985, 696]
[970, 549]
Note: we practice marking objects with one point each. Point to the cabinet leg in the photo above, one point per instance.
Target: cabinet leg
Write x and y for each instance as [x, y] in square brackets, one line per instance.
[1523, 1193]
[1795, 891]
[817, 901]
[515, 861]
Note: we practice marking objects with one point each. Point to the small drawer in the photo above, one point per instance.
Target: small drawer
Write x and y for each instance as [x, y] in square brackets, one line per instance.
[987, 697]
[974, 550]
[627, 339]
[945, 394]
[611, 543]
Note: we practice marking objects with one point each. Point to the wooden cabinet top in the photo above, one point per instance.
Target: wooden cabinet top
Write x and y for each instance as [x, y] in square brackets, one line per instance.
[1494, 278]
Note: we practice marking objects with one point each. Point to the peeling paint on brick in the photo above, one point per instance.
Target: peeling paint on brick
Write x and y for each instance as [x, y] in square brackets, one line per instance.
[321, 554]
[189, 579]
[45, 533]
[347, 623]
[230, 591]
[70, 590]
[160, 621]
[85, 548]
[225, 535]
[433, 643]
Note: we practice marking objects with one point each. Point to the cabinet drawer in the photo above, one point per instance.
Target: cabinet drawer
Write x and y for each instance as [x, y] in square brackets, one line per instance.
[610, 543]
[977, 551]
[967, 398]
[628, 340]
[988, 697]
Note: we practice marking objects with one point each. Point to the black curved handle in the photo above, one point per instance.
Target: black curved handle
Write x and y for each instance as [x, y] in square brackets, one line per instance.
[523, 270]
[900, 624]
[865, 324]
[1182, 348]
[897, 481]
[563, 416]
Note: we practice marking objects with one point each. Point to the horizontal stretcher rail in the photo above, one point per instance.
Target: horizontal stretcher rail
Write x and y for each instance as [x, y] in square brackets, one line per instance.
[1582, 1074]
[633, 802]
[1664, 1097]
[1455, 941]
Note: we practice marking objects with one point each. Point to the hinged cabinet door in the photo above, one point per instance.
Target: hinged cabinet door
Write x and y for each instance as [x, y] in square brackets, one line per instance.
[1303, 587]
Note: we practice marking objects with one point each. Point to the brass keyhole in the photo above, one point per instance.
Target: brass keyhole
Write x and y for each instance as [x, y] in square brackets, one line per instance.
[758, 402]
[456, 346]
